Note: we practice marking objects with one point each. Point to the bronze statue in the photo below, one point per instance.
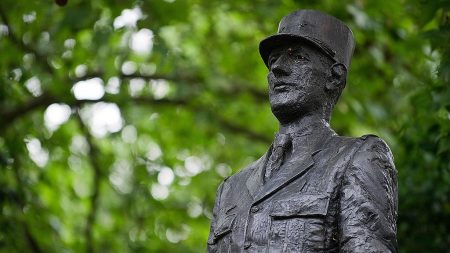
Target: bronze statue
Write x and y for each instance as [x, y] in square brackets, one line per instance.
[313, 191]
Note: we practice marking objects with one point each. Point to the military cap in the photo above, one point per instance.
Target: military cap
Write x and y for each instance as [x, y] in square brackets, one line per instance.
[326, 32]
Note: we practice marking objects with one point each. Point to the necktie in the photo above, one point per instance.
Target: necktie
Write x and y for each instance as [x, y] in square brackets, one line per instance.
[280, 146]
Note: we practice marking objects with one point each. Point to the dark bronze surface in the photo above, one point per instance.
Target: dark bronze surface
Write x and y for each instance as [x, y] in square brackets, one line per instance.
[313, 191]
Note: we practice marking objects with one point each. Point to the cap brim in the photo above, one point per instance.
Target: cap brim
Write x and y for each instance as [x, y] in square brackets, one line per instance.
[268, 44]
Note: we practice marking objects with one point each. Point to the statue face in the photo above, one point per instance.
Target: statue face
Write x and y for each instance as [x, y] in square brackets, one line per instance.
[297, 78]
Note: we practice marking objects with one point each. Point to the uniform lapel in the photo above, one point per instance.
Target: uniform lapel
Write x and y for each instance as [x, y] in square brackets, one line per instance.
[287, 173]
[255, 180]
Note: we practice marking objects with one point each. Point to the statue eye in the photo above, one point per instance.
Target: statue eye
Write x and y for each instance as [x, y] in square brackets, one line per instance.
[272, 59]
[300, 57]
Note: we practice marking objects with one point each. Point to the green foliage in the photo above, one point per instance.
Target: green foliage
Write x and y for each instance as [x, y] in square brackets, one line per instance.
[193, 109]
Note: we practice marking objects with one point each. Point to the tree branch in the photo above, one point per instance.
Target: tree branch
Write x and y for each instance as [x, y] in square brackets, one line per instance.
[9, 116]
[32, 242]
[243, 130]
[259, 95]
[237, 86]
[125, 76]
[96, 166]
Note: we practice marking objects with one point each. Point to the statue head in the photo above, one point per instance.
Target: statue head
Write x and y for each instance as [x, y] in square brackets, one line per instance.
[308, 61]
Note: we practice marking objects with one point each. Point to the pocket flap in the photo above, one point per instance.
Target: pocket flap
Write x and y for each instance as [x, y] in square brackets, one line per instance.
[299, 206]
[224, 224]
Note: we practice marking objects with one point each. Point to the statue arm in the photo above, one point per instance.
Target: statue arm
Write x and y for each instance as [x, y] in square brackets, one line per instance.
[368, 203]
[211, 247]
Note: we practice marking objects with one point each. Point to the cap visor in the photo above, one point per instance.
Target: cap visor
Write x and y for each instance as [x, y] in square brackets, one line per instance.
[268, 44]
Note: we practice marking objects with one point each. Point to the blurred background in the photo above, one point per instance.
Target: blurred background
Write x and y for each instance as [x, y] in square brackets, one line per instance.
[119, 119]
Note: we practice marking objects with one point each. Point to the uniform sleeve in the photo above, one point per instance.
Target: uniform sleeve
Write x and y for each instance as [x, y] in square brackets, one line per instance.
[211, 247]
[368, 203]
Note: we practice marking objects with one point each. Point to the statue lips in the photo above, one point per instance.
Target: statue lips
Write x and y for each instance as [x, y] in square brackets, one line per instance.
[282, 86]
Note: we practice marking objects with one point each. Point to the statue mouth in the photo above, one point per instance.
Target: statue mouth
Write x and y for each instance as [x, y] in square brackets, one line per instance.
[281, 86]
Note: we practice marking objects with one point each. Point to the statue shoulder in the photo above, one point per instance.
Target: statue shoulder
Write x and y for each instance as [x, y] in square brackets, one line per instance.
[244, 173]
[365, 142]
[373, 153]
[375, 145]
[362, 150]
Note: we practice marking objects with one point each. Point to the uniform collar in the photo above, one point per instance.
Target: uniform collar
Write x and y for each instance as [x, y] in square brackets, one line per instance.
[305, 138]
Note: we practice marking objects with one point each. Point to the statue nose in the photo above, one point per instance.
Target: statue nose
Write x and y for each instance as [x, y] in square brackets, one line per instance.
[280, 68]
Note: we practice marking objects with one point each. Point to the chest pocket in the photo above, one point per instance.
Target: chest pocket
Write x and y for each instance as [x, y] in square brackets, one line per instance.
[298, 224]
[223, 227]
[306, 205]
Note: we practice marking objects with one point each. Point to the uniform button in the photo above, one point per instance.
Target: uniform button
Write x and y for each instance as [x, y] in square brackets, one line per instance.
[254, 209]
[247, 245]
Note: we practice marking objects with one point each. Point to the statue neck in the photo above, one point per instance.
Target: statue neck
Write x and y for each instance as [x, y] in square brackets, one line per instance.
[303, 125]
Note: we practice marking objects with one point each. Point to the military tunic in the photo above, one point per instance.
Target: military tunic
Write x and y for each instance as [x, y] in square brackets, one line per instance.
[337, 195]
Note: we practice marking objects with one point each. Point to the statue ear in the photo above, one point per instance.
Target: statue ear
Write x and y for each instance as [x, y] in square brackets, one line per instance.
[337, 77]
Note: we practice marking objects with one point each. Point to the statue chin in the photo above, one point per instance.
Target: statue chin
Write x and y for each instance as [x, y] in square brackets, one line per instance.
[286, 112]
